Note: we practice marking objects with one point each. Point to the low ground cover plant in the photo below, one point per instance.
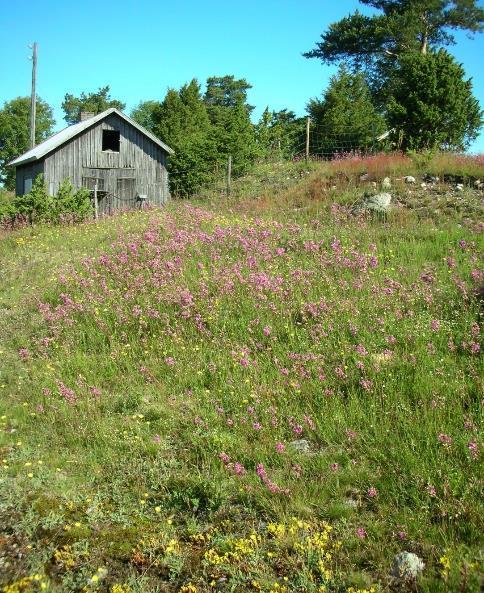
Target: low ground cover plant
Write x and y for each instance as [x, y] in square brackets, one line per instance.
[242, 396]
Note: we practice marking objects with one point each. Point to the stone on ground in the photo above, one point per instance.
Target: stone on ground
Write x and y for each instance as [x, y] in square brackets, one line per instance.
[406, 566]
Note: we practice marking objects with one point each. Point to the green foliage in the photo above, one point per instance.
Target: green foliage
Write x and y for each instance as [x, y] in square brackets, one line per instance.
[146, 113]
[232, 131]
[36, 205]
[432, 105]
[95, 102]
[402, 26]
[202, 130]
[15, 132]
[346, 114]
[183, 123]
[227, 91]
[279, 133]
[68, 205]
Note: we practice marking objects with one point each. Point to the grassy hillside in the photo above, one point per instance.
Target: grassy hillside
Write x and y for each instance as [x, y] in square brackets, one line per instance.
[263, 393]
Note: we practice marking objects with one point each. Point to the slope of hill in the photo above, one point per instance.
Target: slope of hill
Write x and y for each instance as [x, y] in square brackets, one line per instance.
[263, 393]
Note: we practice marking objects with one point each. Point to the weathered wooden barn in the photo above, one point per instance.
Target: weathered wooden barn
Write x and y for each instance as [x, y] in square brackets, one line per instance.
[109, 150]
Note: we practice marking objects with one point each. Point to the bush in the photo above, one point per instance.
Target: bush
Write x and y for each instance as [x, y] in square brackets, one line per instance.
[68, 205]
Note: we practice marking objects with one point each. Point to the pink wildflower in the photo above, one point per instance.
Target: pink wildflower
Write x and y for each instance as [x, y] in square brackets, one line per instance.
[445, 439]
[157, 439]
[24, 353]
[224, 457]
[280, 447]
[473, 449]
[170, 361]
[334, 467]
[239, 469]
[372, 492]
[435, 325]
[67, 393]
[361, 532]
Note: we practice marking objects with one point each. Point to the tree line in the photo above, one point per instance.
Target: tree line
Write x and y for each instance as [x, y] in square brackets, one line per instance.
[395, 77]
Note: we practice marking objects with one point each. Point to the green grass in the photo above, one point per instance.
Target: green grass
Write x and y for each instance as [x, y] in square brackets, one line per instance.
[149, 404]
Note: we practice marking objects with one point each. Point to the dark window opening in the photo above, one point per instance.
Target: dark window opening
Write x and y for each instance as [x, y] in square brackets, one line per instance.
[111, 139]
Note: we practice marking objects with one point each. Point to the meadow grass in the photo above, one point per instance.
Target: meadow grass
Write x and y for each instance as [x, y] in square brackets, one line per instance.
[257, 393]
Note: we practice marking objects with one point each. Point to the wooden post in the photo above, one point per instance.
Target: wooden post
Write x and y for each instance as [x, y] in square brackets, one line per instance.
[33, 98]
[96, 205]
[229, 175]
[307, 138]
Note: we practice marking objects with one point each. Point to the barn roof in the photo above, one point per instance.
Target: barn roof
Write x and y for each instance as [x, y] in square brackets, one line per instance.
[44, 148]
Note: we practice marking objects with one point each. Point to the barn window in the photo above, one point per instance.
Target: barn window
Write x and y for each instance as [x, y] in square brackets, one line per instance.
[27, 184]
[111, 140]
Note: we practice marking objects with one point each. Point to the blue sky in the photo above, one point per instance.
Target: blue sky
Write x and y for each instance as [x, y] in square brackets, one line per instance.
[140, 48]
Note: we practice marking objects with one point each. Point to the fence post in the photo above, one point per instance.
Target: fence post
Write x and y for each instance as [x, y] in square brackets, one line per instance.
[229, 175]
[96, 205]
[307, 138]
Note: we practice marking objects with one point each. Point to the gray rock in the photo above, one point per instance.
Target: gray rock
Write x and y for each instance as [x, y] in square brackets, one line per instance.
[423, 185]
[409, 179]
[459, 187]
[364, 177]
[407, 566]
[301, 446]
[379, 203]
[386, 183]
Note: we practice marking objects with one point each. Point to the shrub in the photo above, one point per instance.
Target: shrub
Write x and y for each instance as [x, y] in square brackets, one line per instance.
[36, 205]
[68, 205]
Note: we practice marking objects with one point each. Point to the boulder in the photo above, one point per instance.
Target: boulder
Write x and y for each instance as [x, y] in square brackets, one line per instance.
[301, 446]
[407, 566]
[378, 203]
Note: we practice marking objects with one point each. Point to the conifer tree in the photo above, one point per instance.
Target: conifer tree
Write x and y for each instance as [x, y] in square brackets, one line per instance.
[345, 119]
[432, 105]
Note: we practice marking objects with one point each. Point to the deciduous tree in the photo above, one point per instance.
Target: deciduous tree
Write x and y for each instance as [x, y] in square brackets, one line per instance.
[15, 132]
[94, 102]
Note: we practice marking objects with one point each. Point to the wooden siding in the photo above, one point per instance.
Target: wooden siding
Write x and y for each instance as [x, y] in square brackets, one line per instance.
[28, 171]
[139, 158]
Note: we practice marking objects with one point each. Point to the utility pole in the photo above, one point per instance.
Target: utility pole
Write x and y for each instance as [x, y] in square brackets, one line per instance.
[33, 95]
[308, 122]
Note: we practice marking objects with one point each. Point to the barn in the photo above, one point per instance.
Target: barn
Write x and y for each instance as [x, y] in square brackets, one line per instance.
[110, 152]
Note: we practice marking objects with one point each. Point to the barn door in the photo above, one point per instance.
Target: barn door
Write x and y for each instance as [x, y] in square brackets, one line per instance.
[126, 193]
